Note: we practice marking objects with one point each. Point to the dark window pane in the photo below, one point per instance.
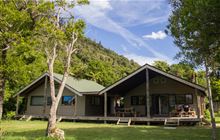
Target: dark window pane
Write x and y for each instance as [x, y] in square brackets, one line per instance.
[37, 100]
[67, 100]
[141, 100]
[49, 101]
[180, 99]
[95, 100]
[189, 99]
[137, 100]
[134, 100]
[172, 100]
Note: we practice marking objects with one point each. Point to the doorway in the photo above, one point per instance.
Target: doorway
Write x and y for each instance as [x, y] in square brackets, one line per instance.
[160, 105]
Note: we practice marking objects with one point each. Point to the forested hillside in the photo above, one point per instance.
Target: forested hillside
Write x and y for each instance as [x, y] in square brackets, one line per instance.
[93, 61]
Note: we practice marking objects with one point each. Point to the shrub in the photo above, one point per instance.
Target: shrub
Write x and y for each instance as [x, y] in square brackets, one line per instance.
[207, 114]
[9, 115]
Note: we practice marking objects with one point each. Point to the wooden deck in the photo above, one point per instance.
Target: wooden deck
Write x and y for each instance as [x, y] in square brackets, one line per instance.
[113, 119]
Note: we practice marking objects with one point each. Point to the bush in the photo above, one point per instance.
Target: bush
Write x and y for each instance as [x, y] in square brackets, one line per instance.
[9, 115]
[207, 114]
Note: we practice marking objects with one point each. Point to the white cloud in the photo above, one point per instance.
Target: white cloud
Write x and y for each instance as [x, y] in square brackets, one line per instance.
[131, 13]
[155, 35]
[101, 4]
[141, 60]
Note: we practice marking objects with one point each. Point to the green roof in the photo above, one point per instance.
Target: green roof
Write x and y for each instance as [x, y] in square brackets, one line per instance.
[81, 85]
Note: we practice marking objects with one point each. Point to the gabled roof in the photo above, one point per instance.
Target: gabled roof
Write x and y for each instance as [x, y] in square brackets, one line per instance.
[81, 85]
[77, 86]
[146, 66]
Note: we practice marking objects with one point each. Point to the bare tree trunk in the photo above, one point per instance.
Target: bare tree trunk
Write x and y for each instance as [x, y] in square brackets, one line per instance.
[53, 109]
[210, 102]
[51, 126]
[2, 79]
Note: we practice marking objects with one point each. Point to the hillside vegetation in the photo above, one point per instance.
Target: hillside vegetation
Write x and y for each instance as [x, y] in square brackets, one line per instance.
[99, 64]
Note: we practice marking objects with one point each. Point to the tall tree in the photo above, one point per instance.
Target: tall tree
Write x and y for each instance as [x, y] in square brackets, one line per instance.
[162, 65]
[17, 20]
[183, 70]
[195, 28]
[57, 35]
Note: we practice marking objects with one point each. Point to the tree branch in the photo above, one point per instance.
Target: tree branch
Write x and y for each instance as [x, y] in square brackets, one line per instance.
[7, 47]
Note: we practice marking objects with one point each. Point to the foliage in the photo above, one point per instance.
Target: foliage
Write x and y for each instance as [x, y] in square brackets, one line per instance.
[162, 65]
[207, 114]
[215, 83]
[195, 28]
[9, 115]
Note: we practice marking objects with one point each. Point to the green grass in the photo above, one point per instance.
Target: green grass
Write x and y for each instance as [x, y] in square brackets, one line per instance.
[217, 118]
[21, 130]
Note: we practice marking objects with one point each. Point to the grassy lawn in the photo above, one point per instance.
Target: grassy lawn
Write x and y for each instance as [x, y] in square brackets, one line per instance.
[217, 118]
[21, 130]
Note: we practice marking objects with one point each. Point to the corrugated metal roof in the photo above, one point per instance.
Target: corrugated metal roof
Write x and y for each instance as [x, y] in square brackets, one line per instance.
[78, 86]
[81, 85]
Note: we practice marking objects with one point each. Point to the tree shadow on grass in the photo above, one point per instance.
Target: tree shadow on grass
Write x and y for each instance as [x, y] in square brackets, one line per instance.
[119, 133]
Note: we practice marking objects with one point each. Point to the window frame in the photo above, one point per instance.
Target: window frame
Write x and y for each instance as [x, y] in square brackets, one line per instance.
[138, 100]
[191, 99]
[185, 98]
[49, 101]
[94, 99]
[31, 101]
[69, 104]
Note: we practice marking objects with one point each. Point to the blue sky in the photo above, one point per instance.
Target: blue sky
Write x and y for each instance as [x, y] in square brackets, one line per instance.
[133, 28]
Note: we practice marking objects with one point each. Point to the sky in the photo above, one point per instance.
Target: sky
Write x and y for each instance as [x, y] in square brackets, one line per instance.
[132, 28]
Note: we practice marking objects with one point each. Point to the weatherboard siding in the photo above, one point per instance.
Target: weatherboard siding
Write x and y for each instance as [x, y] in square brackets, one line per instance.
[94, 110]
[138, 91]
[80, 111]
[67, 110]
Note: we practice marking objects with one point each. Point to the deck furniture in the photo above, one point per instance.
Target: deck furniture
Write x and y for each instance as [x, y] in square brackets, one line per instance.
[188, 114]
[181, 112]
[122, 112]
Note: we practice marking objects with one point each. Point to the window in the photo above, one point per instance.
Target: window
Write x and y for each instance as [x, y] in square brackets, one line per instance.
[189, 99]
[37, 100]
[172, 100]
[57, 86]
[67, 100]
[137, 100]
[49, 101]
[95, 100]
[180, 99]
[184, 99]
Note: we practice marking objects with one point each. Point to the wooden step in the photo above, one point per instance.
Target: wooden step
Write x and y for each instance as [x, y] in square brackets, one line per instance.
[124, 121]
[171, 122]
[29, 118]
[59, 119]
[22, 117]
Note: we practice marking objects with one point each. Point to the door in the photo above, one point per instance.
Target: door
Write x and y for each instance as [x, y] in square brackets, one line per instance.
[163, 105]
[155, 105]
